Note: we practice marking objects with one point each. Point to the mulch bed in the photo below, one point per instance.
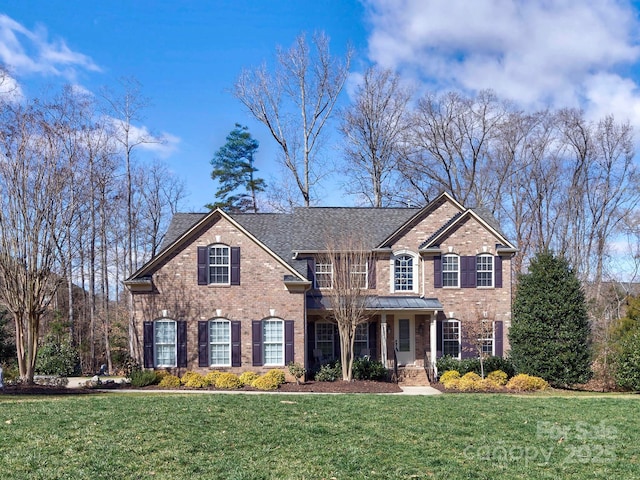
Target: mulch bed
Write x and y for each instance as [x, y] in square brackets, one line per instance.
[356, 386]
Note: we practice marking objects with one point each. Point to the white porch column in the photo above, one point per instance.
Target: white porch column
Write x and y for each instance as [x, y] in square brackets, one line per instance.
[433, 340]
[383, 340]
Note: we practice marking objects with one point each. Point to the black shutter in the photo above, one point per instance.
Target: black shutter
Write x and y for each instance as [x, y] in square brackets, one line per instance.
[147, 334]
[311, 342]
[336, 341]
[371, 273]
[311, 271]
[437, 271]
[235, 265]
[438, 339]
[373, 340]
[468, 272]
[256, 334]
[498, 338]
[288, 341]
[497, 265]
[203, 254]
[203, 343]
[236, 358]
[182, 343]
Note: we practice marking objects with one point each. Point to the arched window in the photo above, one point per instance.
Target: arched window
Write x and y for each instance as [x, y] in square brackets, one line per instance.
[220, 343]
[165, 343]
[484, 270]
[450, 270]
[404, 272]
[219, 264]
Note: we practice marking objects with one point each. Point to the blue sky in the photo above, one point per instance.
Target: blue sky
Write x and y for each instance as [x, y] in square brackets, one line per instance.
[187, 55]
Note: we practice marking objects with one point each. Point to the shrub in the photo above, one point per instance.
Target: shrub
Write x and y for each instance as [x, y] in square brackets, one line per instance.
[142, 378]
[470, 382]
[247, 378]
[277, 375]
[296, 370]
[473, 365]
[449, 375]
[211, 377]
[170, 381]
[228, 381]
[527, 383]
[329, 372]
[161, 374]
[193, 380]
[627, 360]
[57, 358]
[367, 369]
[265, 382]
[497, 377]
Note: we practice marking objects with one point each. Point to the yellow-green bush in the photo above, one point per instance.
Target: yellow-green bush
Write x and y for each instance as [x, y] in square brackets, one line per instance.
[247, 378]
[228, 381]
[498, 377]
[277, 375]
[170, 381]
[527, 383]
[160, 374]
[470, 382]
[211, 377]
[193, 380]
[452, 384]
[266, 382]
[449, 375]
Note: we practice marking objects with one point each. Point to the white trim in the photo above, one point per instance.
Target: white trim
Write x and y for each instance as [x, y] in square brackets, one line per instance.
[228, 265]
[210, 343]
[493, 270]
[450, 271]
[264, 343]
[175, 343]
[415, 287]
[453, 320]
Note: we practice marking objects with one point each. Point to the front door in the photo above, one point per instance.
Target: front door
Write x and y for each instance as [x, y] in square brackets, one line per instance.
[404, 341]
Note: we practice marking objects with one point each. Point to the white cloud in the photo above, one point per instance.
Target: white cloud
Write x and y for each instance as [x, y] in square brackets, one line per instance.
[534, 52]
[26, 51]
[163, 145]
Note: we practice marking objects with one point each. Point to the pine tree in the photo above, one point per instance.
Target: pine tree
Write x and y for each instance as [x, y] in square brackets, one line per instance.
[550, 332]
[234, 171]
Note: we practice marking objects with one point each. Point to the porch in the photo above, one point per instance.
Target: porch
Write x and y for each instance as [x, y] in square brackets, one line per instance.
[401, 333]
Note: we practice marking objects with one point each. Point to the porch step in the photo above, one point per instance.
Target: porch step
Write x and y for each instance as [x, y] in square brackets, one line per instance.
[412, 376]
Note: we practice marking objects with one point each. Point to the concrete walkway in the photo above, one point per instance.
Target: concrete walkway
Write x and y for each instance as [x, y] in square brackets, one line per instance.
[78, 382]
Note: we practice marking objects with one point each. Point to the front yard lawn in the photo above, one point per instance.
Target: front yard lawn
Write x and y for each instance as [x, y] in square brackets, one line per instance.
[273, 436]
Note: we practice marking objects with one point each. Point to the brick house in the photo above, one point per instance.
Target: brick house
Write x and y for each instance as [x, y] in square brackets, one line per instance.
[239, 292]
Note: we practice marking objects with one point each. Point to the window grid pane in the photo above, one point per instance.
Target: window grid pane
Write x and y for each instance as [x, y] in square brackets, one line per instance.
[220, 342]
[324, 275]
[219, 264]
[324, 339]
[403, 273]
[359, 275]
[451, 338]
[273, 342]
[165, 343]
[361, 340]
[450, 269]
[484, 271]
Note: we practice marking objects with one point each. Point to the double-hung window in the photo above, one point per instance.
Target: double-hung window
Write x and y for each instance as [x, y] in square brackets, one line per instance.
[165, 343]
[450, 271]
[358, 272]
[219, 265]
[487, 340]
[403, 273]
[273, 342]
[451, 338]
[325, 338]
[220, 343]
[484, 270]
[324, 275]
[361, 340]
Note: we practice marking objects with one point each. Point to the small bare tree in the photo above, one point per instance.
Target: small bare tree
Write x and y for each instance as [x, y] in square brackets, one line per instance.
[477, 331]
[348, 297]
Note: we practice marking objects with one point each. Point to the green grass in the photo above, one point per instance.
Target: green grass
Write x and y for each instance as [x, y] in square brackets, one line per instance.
[117, 436]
